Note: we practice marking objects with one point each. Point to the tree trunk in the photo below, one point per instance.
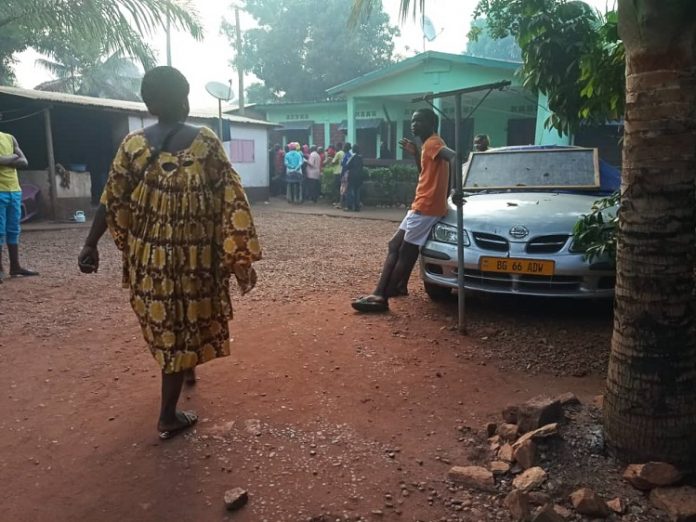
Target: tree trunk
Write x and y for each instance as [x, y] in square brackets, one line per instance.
[650, 403]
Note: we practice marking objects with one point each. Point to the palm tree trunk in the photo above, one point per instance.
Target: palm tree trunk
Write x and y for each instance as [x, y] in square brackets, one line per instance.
[650, 403]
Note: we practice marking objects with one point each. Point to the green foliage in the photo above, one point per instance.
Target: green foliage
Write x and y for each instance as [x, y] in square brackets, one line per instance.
[112, 26]
[569, 52]
[482, 44]
[595, 233]
[83, 67]
[303, 47]
[329, 186]
[259, 93]
[393, 185]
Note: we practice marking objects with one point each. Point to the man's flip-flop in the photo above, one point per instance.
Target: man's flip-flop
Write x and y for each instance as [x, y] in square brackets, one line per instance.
[23, 272]
[367, 305]
[190, 420]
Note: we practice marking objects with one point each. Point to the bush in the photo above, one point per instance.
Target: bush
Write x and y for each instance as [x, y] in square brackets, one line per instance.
[394, 185]
[383, 186]
[595, 233]
[329, 185]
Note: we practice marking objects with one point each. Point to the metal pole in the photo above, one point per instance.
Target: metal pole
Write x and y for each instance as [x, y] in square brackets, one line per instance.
[220, 119]
[169, 41]
[51, 164]
[461, 326]
[240, 69]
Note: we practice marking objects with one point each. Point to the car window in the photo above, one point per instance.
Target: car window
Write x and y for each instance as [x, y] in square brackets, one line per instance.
[563, 169]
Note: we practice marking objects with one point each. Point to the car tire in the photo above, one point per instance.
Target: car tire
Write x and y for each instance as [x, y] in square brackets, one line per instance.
[436, 292]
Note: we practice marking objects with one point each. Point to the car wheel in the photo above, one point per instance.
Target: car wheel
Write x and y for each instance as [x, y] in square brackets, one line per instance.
[437, 293]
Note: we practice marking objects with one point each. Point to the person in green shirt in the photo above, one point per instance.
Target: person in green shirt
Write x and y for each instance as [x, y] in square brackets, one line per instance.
[11, 158]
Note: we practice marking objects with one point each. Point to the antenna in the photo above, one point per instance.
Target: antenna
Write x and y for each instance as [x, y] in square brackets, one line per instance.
[223, 93]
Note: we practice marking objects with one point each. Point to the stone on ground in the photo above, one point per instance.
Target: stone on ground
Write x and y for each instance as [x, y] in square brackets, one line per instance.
[652, 475]
[510, 414]
[547, 514]
[525, 454]
[530, 479]
[616, 505]
[505, 453]
[563, 511]
[537, 412]
[474, 477]
[491, 429]
[548, 430]
[679, 503]
[498, 467]
[517, 502]
[587, 502]
[235, 498]
[568, 399]
[507, 432]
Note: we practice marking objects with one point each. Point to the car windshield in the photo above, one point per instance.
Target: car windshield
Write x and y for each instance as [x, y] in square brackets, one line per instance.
[569, 169]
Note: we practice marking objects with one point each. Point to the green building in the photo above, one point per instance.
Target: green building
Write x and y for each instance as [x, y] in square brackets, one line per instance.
[374, 110]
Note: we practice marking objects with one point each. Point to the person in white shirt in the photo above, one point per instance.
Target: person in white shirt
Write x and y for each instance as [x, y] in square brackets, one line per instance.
[314, 174]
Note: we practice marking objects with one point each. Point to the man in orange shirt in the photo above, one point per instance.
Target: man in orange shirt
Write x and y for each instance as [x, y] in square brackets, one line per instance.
[428, 207]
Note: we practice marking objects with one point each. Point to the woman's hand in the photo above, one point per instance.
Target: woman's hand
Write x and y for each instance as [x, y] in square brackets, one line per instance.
[88, 260]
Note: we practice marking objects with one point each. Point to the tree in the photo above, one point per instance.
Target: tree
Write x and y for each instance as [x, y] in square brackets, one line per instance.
[259, 93]
[88, 68]
[113, 25]
[650, 402]
[569, 52]
[303, 47]
[92, 75]
[486, 46]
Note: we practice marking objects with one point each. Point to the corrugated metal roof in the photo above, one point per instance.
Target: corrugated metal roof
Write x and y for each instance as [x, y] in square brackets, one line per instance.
[115, 105]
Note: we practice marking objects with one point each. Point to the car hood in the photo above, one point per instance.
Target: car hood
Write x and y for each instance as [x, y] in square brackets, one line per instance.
[539, 212]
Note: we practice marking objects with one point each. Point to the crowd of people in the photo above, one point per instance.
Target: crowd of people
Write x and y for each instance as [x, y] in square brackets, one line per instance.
[296, 171]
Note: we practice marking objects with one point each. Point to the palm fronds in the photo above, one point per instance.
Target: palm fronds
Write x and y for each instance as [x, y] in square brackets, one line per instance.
[114, 21]
[364, 8]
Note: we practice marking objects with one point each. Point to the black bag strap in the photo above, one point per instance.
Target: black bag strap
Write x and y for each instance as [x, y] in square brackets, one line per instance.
[157, 148]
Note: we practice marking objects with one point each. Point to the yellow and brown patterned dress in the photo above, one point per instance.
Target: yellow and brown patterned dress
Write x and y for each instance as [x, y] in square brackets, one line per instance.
[184, 227]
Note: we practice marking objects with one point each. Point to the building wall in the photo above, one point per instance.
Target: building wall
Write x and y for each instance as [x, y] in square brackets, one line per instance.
[318, 134]
[256, 174]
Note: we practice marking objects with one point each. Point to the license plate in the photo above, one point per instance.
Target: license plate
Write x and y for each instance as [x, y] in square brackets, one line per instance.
[512, 265]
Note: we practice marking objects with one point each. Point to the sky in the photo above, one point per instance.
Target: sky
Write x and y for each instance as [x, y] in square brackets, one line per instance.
[208, 60]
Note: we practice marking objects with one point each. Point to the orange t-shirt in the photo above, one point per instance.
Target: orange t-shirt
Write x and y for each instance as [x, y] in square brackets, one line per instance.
[433, 182]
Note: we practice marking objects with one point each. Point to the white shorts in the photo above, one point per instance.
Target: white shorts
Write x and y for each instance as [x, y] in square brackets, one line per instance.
[417, 227]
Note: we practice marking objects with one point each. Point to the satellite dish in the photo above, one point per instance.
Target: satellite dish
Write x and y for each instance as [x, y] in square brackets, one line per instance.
[223, 93]
[219, 90]
[428, 28]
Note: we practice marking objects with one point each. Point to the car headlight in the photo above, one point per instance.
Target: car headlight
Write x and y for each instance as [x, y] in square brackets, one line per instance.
[448, 234]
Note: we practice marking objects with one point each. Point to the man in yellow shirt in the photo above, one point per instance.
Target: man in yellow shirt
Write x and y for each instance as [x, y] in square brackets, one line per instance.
[11, 158]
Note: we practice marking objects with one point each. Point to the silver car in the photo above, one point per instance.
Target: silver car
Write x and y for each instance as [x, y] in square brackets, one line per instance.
[518, 238]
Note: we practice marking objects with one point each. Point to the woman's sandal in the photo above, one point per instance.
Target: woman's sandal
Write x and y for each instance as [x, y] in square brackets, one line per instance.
[189, 418]
[369, 304]
[190, 378]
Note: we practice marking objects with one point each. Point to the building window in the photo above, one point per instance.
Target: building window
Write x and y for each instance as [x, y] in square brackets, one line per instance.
[242, 151]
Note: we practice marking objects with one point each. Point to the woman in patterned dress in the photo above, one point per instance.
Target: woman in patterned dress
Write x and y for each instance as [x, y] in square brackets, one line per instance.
[177, 211]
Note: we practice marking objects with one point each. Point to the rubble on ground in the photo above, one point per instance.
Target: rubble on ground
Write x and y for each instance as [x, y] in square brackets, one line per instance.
[546, 462]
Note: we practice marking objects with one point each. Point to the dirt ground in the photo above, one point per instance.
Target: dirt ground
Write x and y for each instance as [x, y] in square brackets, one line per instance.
[320, 413]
